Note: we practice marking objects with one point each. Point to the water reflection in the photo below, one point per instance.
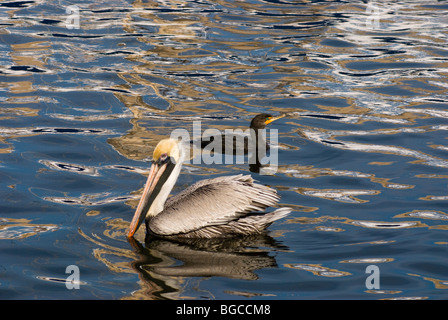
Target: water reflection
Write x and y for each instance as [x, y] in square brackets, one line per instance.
[363, 152]
[166, 268]
[319, 270]
[325, 220]
[328, 138]
[161, 261]
[237, 258]
[22, 228]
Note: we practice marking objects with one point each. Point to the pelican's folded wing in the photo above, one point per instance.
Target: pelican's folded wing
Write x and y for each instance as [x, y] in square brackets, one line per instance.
[212, 202]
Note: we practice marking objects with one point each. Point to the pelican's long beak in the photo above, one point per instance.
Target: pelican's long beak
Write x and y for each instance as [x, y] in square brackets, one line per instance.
[271, 119]
[158, 174]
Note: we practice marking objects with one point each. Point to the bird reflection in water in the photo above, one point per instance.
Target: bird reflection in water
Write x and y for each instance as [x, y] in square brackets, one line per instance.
[162, 261]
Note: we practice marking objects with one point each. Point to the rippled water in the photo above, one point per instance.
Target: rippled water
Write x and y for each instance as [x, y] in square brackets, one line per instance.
[363, 151]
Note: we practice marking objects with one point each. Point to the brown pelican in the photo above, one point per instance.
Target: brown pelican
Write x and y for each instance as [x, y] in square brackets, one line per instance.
[231, 142]
[219, 207]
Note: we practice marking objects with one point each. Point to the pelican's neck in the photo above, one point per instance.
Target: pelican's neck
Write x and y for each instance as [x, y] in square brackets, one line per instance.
[159, 202]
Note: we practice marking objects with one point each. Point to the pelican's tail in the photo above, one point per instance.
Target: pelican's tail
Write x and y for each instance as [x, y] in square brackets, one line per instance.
[265, 220]
[257, 222]
[278, 214]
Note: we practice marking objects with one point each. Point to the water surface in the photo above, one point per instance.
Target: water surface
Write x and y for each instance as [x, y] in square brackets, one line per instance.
[363, 152]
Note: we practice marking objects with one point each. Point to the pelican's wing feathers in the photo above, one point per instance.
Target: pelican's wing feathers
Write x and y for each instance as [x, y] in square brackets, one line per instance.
[213, 203]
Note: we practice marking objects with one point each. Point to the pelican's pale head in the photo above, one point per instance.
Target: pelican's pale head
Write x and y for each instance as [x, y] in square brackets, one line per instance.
[166, 164]
[167, 148]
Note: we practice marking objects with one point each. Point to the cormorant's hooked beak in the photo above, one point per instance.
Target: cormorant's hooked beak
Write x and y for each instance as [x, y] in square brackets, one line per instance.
[272, 119]
[158, 174]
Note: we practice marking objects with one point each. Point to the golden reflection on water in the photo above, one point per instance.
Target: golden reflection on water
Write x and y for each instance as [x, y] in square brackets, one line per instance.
[318, 270]
[360, 223]
[424, 214]
[311, 172]
[188, 69]
[329, 137]
[177, 47]
[34, 53]
[29, 54]
[337, 195]
[438, 283]
[22, 228]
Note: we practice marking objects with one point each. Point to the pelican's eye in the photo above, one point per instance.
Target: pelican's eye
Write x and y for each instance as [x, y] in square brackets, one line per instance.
[163, 157]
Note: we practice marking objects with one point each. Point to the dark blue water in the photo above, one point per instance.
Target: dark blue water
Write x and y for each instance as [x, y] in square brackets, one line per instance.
[362, 155]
